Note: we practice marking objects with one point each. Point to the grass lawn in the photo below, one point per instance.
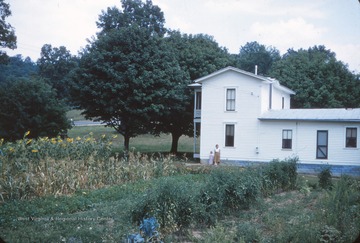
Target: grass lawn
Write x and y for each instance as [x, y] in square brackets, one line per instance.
[146, 143]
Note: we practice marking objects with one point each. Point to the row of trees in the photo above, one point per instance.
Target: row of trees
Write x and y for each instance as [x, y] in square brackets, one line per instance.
[134, 75]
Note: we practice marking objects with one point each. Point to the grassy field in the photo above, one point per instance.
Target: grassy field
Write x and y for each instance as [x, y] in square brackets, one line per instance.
[146, 143]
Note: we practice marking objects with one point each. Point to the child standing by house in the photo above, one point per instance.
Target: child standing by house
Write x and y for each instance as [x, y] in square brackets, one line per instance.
[211, 158]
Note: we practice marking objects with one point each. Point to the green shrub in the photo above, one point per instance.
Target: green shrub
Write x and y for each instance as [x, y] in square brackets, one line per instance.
[325, 178]
[219, 233]
[248, 232]
[279, 176]
[171, 201]
[341, 208]
[227, 190]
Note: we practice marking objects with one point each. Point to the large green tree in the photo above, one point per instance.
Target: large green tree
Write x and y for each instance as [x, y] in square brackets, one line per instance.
[253, 53]
[55, 64]
[127, 78]
[198, 55]
[7, 33]
[318, 78]
[30, 105]
[134, 12]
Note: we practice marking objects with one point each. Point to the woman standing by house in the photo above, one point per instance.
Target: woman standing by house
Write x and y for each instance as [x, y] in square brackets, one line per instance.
[217, 155]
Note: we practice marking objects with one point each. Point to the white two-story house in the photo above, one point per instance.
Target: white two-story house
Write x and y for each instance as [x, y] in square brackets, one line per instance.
[249, 116]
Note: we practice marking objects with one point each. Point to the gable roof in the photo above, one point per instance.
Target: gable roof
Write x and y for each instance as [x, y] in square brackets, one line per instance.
[329, 115]
[276, 83]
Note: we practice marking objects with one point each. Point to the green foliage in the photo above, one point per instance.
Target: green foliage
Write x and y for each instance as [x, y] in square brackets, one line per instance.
[318, 78]
[284, 217]
[233, 189]
[127, 78]
[134, 12]
[55, 65]
[279, 175]
[197, 56]
[253, 53]
[325, 178]
[33, 168]
[172, 202]
[247, 232]
[16, 68]
[219, 233]
[341, 206]
[177, 204]
[7, 32]
[30, 105]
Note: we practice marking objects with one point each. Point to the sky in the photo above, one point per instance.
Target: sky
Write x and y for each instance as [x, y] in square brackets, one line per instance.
[282, 24]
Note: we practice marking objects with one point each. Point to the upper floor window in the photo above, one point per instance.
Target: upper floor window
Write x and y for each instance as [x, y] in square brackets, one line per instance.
[230, 99]
[287, 139]
[351, 137]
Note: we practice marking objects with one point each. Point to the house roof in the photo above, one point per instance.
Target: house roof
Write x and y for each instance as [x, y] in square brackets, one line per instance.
[276, 83]
[330, 115]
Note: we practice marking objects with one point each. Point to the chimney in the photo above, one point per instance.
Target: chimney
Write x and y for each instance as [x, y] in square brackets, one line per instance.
[256, 67]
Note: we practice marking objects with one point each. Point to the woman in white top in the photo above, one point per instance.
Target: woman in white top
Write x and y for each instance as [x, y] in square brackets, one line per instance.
[217, 155]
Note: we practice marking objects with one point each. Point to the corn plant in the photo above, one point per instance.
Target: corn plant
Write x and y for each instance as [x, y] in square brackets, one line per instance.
[55, 166]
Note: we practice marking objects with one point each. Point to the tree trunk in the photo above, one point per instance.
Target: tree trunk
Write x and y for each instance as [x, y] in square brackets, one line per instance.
[126, 143]
[175, 141]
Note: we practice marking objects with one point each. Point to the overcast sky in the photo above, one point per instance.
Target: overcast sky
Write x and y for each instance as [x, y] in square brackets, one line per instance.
[282, 24]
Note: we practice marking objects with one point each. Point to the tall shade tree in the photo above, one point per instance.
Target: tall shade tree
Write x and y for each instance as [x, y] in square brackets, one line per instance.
[253, 53]
[135, 12]
[7, 32]
[318, 78]
[30, 105]
[198, 55]
[127, 79]
[55, 64]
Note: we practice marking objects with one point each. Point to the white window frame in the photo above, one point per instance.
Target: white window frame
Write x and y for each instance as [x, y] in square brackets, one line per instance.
[357, 137]
[282, 138]
[226, 99]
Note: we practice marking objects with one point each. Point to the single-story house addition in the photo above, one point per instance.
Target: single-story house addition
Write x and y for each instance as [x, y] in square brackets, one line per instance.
[249, 116]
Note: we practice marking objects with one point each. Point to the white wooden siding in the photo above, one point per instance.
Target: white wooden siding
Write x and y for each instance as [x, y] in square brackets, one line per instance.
[304, 142]
[261, 140]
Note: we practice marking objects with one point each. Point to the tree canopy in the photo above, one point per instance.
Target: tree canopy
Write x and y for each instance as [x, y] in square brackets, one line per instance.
[318, 78]
[30, 105]
[7, 32]
[131, 47]
[17, 67]
[135, 12]
[55, 64]
[127, 78]
[253, 53]
[197, 55]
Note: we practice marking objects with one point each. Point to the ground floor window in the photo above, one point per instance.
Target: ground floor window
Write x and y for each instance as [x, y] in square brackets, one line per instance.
[351, 137]
[287, 139]
[229, 135]
[322, 145]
